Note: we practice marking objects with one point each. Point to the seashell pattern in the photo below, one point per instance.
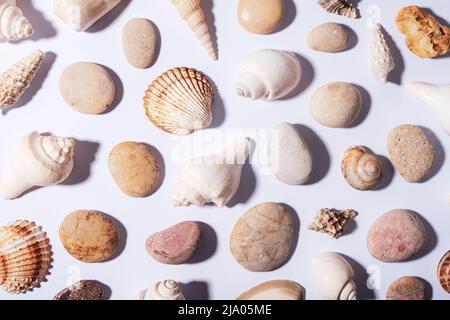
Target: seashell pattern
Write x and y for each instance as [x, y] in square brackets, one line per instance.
[15, 81]
[361, 168]
[340, 7]
[180, 101]
[25, 256]
[275, 290]
[192, 13]
[382, 60]
[444, 272]
[13, 25]
[332, 221]
[164, 290]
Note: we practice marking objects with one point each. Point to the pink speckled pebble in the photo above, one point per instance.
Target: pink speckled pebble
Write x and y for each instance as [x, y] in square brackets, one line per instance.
[396, 236]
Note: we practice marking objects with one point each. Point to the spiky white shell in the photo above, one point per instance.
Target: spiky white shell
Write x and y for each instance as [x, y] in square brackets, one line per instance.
[13, 25]
[382, 60]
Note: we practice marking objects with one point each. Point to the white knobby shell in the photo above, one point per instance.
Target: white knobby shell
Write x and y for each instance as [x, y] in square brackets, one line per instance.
[382, 60]
[163, 290]
[38, 160]
[437, 97]
[180, 101]
[14, 25]
[361, 168]
[333, 277]
[275, 290]
[341, 7]
[213, 178]
[268, 74]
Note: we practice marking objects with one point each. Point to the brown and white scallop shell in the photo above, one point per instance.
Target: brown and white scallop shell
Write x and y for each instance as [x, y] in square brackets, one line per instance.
[180, 101]
[340, 7]
[361, 168]
[444, 272]
[25, 256]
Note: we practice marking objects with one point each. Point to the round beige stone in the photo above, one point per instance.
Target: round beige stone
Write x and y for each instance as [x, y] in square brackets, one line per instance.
[407, 288]
[329, 37]
[139, 41]
[260, 16]
[87, 87]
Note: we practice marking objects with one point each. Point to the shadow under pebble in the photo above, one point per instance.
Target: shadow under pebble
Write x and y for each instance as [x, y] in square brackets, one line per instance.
[119, 90]
[195, 290]
[431, 240]
[439, 154]
[84, 156]
[365, 109]
[109, 18]
[208, 244]
[290, 14]
[162, 168]
[122, 237]
[361, 277]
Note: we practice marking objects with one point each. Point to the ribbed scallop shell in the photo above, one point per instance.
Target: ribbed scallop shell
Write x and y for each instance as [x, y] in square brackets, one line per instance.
[25, 256]
[180, 101]
[13, 25]
[275, 290]
[444, 272]
[340, 7]
[361, 168]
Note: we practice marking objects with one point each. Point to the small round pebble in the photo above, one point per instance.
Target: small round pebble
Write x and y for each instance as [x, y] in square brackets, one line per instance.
[407, 288]
[89, 236]
[396, 236]
[336, 105]
[175, 245]
[82, 290]
[411, 152]
[329, 37]
[139, 41]
[262, 238]
[260, 16]
[135, 169]
[87, 87]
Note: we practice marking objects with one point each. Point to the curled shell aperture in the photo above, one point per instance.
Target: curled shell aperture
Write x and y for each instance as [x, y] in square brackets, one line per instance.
[361, 168]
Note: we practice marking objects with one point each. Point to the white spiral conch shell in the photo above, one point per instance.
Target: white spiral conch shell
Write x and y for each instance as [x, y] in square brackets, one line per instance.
[268, 74]
[382, 60]
[333, 277]
[437, 97]
[38, 160]
[213, 178]
[13, 25]
[164, 290]
[275, 290]
[192, 13]
[361, 168]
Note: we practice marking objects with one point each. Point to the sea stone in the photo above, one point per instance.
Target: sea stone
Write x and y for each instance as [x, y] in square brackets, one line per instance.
[175, 245]
[87, 87]
[329, 37]
[290, 159]
[135, 169]
[336, 105]
[89, 236]
[262, 238]
[396, 236]
[407, 288]
[82, 290]
[139, 41]
[260, 16]
[412, 153]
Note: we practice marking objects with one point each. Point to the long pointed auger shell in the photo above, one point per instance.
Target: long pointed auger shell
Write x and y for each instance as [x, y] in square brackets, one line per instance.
[13, 25]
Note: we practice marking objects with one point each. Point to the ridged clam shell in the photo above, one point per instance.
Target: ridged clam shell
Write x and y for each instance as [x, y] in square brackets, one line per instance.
[444, 272]
[361, 168]
[25, 256]
[275, 290]
[340, 7]
[13, 25]
[180, 101]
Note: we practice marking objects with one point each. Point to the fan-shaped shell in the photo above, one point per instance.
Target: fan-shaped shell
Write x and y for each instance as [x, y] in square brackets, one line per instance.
[25, 256]
[444, 272]
[275, 290]
[180, 101]
[340, 7]
[361, 168]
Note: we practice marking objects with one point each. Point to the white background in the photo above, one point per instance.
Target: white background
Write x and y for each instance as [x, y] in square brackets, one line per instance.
[219, 276]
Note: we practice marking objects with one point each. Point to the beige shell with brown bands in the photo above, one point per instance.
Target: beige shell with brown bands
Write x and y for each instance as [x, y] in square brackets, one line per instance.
[275, 290]
[25, 256]
[444, 272]
[361, 168]
[180, 101]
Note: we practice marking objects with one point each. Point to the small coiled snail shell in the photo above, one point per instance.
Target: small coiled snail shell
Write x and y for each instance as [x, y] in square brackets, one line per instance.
[361, 168]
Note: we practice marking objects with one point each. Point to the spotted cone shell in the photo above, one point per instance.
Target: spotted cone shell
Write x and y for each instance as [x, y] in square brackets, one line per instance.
[444, 272]
[25, 256]
[180, 101]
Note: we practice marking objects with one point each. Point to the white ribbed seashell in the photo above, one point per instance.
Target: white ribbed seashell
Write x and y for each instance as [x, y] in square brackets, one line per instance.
[213, 178]
[361, 168]
[164, 290]
[268, 74]
[192, 13]
[340, 7]
[13, 25]
[15, 81]
[25, 256]
[180, 101]
[333, 276]
[275, 290]
[382, 60]
[38, 160]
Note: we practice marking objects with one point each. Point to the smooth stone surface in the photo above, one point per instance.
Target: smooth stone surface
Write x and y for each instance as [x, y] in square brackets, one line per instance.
[175, 245]
[260, 16]
[87, 87]
[396, 236]
[411, 152]
[407, 288]
[135, 169]
[82, 290]
[336, 104]
[89, 236]
[329, 37]
[290, 159]
[262, 238]
[139, 41]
